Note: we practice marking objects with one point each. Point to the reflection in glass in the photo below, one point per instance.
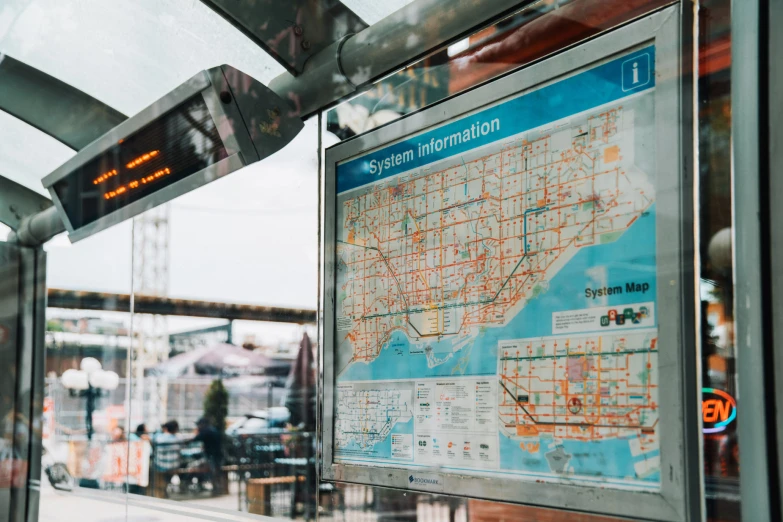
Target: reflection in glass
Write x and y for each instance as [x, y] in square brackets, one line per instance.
[719, 377]
[85, 415]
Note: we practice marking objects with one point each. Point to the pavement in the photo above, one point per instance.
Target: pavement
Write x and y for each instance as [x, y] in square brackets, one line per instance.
[89, 505]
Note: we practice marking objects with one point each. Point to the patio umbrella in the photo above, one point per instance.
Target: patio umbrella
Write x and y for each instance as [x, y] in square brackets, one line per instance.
[228, 359]
[179, 365]
[221, 359]
[300, 396]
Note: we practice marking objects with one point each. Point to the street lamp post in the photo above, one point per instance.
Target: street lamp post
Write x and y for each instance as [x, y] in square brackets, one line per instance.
[90, 382]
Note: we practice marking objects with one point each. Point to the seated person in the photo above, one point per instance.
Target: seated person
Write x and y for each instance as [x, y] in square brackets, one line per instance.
[167, 456]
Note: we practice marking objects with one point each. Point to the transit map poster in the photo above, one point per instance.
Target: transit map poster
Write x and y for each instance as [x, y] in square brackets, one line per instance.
[495, 289]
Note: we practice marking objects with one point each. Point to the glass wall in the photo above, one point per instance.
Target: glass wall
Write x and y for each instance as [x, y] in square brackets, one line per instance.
[87, 378]
[718, 348]
[228, 405]
[542, 30]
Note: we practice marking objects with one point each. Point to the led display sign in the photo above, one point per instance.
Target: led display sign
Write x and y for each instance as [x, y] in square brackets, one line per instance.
[179, 144]
[215, 123]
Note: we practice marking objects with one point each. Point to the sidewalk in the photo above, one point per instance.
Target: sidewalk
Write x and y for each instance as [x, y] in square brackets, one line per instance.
[87, 505]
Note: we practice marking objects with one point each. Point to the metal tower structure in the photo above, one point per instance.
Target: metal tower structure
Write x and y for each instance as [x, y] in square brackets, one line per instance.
[150, 278]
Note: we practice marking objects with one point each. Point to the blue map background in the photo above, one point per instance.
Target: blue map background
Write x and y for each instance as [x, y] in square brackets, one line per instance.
[632, 257]
[629, 258]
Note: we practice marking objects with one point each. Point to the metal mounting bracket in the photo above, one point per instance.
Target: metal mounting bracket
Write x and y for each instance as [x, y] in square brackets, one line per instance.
[18, 202]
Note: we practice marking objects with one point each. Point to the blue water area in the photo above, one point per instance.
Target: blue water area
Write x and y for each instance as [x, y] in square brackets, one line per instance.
[609, 458]
[514, 458]
[379, 450]
[629, 259]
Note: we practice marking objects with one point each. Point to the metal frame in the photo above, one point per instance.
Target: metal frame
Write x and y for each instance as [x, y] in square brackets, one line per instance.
[22, 314]
[11, 335]
[34, 260]
[757, 252]
[775, 116]
[238, 155]
[60, 110]
[678, 499]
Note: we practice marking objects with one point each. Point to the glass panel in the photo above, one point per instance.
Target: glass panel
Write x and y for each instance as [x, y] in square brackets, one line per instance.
[229, 406]
[211, 412]
[721, 447]
[254, 233]
[86, 433]
[99, 263]
[127, 55]
[552, 25]
[27, 154]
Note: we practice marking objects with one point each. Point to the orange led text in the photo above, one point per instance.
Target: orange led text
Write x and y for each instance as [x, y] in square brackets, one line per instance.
[103, 177]
[156, 175]
[136, 183]
[143, 158]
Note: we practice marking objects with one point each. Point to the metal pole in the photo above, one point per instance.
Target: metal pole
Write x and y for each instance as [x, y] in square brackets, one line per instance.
[775, 108]
[37, 229]
[358, 60]
[90, 393]
[752, 272]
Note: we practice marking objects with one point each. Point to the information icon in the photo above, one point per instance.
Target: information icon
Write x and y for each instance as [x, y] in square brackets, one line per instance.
[636, 72]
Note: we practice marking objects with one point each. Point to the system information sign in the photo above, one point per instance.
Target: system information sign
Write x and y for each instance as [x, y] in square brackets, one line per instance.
[496, 288]
[496, 299]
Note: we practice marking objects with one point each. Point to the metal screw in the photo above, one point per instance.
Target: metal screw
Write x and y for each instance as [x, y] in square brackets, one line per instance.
[305, 44]
[225, 97]
[298, 30]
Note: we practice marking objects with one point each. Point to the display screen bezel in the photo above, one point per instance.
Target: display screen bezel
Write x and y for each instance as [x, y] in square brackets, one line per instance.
[224, 116]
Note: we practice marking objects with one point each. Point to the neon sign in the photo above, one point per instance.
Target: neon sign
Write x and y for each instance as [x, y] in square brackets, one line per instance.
[718, 410]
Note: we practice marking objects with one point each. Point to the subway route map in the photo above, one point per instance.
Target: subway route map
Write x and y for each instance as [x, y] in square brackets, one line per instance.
[495, 293]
